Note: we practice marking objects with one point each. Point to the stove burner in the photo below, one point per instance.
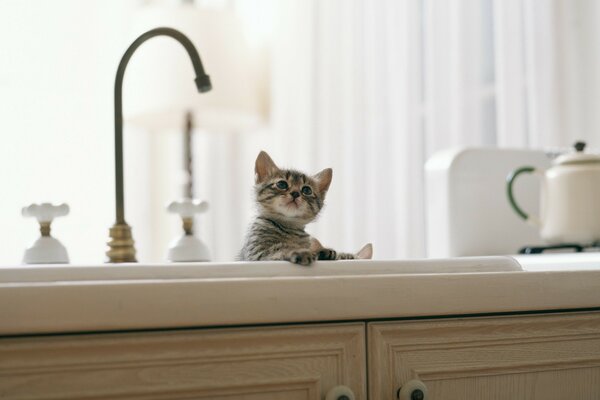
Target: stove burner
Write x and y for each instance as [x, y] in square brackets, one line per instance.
[560, 248]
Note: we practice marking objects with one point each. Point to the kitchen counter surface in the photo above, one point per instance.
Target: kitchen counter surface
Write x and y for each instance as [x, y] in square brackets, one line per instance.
[64, 299]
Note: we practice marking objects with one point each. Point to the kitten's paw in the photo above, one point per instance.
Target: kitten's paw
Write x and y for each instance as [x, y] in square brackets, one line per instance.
[301, 257]
[346, 256]
[326, 254]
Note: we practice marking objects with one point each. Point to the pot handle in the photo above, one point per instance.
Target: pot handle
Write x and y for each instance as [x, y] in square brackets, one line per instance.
[510, 180]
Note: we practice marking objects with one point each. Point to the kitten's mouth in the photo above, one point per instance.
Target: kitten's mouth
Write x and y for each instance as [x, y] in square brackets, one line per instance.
[293, 203]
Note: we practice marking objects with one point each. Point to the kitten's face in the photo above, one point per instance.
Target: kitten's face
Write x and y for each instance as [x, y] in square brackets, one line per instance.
[289, 194]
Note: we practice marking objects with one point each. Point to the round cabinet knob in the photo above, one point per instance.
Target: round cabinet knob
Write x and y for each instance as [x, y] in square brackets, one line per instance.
[413, 390]
[46, 249]
[340, 393]
[579, 146]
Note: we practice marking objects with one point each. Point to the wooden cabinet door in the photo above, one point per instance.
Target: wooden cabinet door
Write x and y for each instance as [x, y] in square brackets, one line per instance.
[550, 356]
[275, 363]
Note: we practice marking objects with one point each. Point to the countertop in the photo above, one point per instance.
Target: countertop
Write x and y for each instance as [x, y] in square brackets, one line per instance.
[67, 299]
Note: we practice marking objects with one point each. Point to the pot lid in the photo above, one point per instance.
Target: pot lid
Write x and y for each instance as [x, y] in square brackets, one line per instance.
[577, 156]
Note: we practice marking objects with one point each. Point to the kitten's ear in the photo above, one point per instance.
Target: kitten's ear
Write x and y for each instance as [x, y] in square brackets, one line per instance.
[263, 167]
[323, 179]
[366, 253]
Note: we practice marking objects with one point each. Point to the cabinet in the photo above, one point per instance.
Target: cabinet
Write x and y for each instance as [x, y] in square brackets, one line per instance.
[270, 363]
[520, 357]
[544, 356]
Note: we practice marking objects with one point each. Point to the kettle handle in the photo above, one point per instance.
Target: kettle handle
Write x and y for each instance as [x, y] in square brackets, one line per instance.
[510, 180]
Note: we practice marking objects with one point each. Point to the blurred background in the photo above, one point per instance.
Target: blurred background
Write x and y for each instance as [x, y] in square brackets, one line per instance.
[369, 88]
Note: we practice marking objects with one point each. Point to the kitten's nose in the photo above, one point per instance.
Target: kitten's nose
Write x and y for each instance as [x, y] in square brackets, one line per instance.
[295, 195]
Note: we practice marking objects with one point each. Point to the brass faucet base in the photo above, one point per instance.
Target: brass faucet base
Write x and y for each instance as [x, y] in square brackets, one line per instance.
[188, 226]
[45, 228]
[121, 244]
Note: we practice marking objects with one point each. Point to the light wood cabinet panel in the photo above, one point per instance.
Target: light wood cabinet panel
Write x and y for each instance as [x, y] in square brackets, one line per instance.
[270, 363]
[521, 357]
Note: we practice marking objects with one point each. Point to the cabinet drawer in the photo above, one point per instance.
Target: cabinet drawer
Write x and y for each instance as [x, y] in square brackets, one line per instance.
[248, 363]
[551, 356]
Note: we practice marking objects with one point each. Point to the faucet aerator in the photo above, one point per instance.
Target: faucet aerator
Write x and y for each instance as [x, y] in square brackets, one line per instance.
[203, 83]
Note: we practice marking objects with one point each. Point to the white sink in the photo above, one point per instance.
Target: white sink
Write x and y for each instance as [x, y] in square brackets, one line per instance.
[112, 272]
[559, 262]
[72, 298]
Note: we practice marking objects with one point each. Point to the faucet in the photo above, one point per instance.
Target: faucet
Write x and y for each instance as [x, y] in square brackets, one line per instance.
[121, 243]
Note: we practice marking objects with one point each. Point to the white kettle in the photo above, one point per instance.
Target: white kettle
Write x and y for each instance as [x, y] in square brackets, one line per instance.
[569, 200]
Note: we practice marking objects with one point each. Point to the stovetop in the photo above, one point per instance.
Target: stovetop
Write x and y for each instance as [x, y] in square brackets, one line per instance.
[566, 256]
[561, 248]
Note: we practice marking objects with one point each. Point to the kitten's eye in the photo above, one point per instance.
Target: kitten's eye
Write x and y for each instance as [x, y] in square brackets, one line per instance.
[282, 185]
[306, 190]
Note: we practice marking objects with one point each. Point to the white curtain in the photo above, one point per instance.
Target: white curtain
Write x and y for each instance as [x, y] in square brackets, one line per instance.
[348, 95]
[373, 88]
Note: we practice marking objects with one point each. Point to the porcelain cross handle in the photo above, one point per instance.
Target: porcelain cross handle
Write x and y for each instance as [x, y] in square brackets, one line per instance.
[188, 247]
[187, 208]
[46, 249]
[45, 212]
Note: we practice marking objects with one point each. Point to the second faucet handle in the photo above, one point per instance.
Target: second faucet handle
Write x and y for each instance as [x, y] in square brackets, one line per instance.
[46, 249]
[45, 212]
[188, 247]
[186, 209]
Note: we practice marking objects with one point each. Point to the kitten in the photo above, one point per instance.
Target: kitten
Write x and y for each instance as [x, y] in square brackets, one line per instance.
[288, 200]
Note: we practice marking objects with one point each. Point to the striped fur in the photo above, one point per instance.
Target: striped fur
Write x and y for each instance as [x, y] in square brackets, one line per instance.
[287, 200]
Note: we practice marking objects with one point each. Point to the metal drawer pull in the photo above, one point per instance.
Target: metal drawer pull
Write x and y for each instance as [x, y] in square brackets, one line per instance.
[340, 393]
[412, 390]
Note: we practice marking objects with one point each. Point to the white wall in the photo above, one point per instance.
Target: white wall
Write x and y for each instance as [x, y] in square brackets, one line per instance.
[57, 64]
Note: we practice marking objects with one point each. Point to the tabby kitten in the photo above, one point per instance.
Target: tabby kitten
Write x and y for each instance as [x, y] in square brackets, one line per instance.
[288, 200]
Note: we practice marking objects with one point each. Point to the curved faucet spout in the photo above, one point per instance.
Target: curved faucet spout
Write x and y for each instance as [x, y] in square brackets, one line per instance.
[121, 247]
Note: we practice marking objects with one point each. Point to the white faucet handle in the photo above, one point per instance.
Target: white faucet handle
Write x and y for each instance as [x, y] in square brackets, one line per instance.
[187, 208]
[188, 247]
[46, 249]
[45, 212]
